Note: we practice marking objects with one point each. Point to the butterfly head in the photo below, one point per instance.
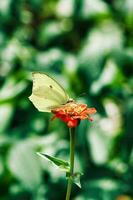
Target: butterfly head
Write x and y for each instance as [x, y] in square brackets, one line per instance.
[70, 100]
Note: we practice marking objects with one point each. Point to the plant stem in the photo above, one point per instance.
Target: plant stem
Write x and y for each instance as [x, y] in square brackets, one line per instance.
[72, 147]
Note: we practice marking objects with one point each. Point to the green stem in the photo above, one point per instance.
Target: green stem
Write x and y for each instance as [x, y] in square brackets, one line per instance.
[72, 147]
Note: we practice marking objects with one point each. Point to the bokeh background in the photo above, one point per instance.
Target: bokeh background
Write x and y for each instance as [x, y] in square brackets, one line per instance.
[87, 45]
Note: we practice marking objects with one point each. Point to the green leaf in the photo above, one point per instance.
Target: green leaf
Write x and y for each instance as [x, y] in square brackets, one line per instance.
[11, 89]
[75, 177]
[62, 164]
[24, 165]
[6, 114]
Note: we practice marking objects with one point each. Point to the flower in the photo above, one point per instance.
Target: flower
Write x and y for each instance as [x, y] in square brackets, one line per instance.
[72, 113]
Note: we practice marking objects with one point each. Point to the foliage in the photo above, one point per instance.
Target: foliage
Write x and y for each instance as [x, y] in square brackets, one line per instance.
[88, 47]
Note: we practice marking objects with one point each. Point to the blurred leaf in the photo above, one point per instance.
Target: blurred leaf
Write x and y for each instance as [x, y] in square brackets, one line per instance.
[11, 89]
[104, 189]
[11, 50]
[107, 76]
[49, 32]
[5, 8]
[94, 8]
[52, 59]
[24, 165]
[125, 7]
[65, 8]
[6, 113]
[1, 167]
[99, 146]
[98, 44]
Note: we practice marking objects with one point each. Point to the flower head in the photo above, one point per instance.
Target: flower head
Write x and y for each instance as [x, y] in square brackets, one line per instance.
[72, 113]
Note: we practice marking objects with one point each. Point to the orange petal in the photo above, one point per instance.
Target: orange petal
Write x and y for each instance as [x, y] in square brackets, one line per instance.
[91, 110]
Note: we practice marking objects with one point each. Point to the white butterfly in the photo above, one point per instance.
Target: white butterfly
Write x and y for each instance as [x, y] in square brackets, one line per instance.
[47, 94]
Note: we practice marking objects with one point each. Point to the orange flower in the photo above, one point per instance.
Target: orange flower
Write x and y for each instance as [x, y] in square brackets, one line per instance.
[72, 113]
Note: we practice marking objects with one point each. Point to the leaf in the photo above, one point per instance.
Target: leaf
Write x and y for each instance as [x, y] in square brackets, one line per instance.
[6, 113]
[93, 9]
[62, 164]
[24, 165]
[75, 178]
[11, 89]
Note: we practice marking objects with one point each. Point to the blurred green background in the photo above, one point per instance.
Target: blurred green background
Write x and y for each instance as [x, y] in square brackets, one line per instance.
[87, 45]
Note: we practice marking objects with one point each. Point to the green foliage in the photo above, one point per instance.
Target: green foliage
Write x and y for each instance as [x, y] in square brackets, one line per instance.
[75, 178]
[62, 164]
[88, 47]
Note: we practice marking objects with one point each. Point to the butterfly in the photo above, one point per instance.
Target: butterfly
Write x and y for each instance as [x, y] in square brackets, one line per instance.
[47, 93]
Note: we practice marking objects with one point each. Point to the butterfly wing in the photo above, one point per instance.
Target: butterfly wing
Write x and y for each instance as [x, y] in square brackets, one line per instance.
[47, 93]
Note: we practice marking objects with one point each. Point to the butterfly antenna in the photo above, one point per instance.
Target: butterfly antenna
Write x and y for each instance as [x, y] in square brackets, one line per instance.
[83, 94]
